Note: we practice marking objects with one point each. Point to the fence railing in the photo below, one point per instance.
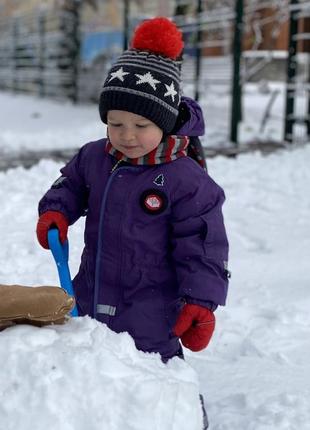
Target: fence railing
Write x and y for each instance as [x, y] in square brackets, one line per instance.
[42, 53]
[39, 53]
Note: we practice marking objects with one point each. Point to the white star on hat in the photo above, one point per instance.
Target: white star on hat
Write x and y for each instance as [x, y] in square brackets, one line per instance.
[170, 91]
[119, 74]
[147, 78]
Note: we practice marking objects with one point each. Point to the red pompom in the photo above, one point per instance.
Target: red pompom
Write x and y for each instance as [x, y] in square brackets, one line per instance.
[160, 36]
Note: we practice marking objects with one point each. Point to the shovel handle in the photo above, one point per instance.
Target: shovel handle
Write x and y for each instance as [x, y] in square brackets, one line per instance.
[61, 256]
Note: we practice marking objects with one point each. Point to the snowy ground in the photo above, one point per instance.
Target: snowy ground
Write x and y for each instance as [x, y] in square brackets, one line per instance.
[254, 375]
[32, 123]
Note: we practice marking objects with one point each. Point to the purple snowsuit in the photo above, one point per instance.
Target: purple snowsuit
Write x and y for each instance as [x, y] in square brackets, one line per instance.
[139, 267]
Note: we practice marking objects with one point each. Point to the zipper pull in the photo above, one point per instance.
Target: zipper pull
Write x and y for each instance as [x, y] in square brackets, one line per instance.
[116, 166]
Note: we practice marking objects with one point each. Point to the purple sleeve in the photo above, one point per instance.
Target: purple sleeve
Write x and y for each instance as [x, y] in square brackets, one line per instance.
[68, 194]
[200, 246]
[193, 122]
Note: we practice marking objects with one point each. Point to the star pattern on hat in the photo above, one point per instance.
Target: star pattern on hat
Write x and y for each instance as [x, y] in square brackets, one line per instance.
[119, 74]
[170, 91]
[147, 78]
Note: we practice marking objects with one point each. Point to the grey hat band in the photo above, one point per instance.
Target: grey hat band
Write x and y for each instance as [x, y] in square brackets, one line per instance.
[143, 94]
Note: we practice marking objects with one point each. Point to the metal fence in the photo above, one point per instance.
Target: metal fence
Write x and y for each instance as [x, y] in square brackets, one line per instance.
[51, 53]
[297, 118]
[39, 53]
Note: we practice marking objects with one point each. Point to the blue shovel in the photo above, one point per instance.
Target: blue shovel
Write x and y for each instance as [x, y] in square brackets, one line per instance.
[61, 256]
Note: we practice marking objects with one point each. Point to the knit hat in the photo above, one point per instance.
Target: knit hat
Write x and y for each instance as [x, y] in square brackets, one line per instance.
[145, 79]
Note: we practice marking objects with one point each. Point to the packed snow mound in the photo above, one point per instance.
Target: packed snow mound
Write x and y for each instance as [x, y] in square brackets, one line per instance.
[83, 376]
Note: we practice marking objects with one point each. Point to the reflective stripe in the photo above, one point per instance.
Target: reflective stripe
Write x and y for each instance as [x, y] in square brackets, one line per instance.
[106, 309]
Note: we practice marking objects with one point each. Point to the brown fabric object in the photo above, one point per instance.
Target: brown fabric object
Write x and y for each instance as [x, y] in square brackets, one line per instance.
[33, 305]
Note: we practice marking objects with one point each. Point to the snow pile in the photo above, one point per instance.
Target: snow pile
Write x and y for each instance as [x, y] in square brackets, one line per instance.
[256, 372]
[83, 376]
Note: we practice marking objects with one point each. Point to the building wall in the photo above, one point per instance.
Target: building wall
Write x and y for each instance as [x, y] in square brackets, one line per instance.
[305, 28]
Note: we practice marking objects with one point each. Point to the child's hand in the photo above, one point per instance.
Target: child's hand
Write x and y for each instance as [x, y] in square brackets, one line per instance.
[195, 326]
[51, 219]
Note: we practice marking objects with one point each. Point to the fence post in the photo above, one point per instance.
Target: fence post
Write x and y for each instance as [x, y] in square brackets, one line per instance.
[14, 54]
[69, 28]
[126, 24]
[76, 50]
[291, 74]
[41, 62]
[308, 118]
[236, 109]
[198, 50]
[307, 49]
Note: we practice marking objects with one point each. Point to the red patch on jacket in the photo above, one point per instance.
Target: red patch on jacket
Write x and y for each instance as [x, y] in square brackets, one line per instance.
[153, 202]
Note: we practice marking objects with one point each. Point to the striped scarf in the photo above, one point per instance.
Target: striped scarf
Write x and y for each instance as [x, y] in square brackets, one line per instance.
[171, 148]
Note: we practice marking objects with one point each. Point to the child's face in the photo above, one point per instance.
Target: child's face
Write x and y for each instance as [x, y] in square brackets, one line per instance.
[133, 135]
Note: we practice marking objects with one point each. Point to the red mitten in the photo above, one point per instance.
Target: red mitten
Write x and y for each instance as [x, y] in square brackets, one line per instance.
[195, 326]
[51, 219]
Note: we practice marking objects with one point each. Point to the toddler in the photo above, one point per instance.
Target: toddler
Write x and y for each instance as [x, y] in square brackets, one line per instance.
[155, 257]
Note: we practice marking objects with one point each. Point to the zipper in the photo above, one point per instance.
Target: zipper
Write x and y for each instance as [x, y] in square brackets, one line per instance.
[116, 166]
[100, 232]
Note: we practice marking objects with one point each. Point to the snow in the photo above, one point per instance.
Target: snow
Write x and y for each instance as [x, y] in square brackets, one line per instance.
[83, 376]
[32, 123]
[254, 375]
